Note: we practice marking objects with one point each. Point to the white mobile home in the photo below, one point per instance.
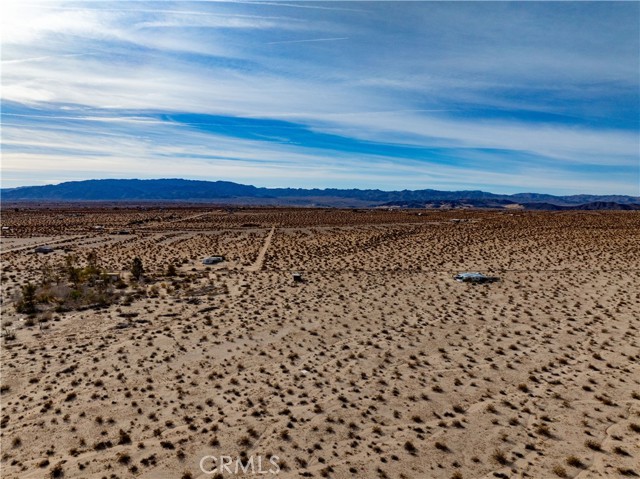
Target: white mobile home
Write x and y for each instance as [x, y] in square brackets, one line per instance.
[213, 260]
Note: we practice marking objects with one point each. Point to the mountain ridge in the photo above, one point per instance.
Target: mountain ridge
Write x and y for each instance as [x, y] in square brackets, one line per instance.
[181, 190]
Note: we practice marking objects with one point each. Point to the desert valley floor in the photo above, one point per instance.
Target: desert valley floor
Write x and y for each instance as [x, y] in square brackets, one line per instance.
[377, 365]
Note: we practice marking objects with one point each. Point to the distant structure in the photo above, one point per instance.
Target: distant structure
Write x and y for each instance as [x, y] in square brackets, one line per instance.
[297, 277]
[43, 249]
[115, 277]
[473, 278]
[213, 260]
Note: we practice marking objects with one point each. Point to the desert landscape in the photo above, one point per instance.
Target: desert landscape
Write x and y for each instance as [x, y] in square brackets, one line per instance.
[123, 356]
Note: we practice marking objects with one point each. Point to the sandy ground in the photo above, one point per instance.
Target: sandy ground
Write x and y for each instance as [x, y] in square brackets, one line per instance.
[377, 365]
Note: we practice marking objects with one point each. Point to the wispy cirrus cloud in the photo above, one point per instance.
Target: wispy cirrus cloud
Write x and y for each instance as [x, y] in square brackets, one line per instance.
[331, 39]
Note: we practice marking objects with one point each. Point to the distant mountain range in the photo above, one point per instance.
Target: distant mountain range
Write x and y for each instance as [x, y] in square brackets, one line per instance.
[179, 190]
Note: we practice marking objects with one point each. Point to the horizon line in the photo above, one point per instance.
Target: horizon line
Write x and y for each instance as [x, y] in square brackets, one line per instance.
[317, 187]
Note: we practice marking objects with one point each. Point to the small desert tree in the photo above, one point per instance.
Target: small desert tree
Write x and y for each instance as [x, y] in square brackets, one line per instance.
[47, 274]
[27, 303]
[72, 271]
[171, 270]
[137, 270]
[92, 271]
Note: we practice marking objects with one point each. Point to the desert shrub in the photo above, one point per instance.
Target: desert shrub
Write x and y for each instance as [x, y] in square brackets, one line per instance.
[410, 448]
[544, 430]
[123, 438]
[56, 471]
[628, 472]
[574, 461]
[27, 302]
[137, 269]
[171, 270]
[560, 471]
[500, 457]
[593, 445]
[442, 446]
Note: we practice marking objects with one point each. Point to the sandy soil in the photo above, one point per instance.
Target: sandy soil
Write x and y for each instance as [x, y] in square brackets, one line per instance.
[377, 365]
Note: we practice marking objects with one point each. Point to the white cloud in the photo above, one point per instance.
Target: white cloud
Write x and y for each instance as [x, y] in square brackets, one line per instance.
[154, 150]
[401, 75]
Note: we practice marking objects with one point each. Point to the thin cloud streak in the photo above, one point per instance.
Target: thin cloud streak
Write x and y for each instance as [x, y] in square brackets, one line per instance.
[309, 40]
[289, 5]
[46, 57]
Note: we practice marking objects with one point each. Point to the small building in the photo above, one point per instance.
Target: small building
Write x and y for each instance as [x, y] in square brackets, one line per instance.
[213, 260]
[112, 277]
[297, 278]
[43, 249]
[473, 277]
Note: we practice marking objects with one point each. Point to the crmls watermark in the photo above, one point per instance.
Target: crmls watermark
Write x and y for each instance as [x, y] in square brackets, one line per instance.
[230, 465]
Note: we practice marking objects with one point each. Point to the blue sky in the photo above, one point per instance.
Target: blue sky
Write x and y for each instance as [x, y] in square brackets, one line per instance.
[500, 96]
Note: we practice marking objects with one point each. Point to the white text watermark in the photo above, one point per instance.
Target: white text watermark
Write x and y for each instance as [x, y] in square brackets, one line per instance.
[238, 465]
